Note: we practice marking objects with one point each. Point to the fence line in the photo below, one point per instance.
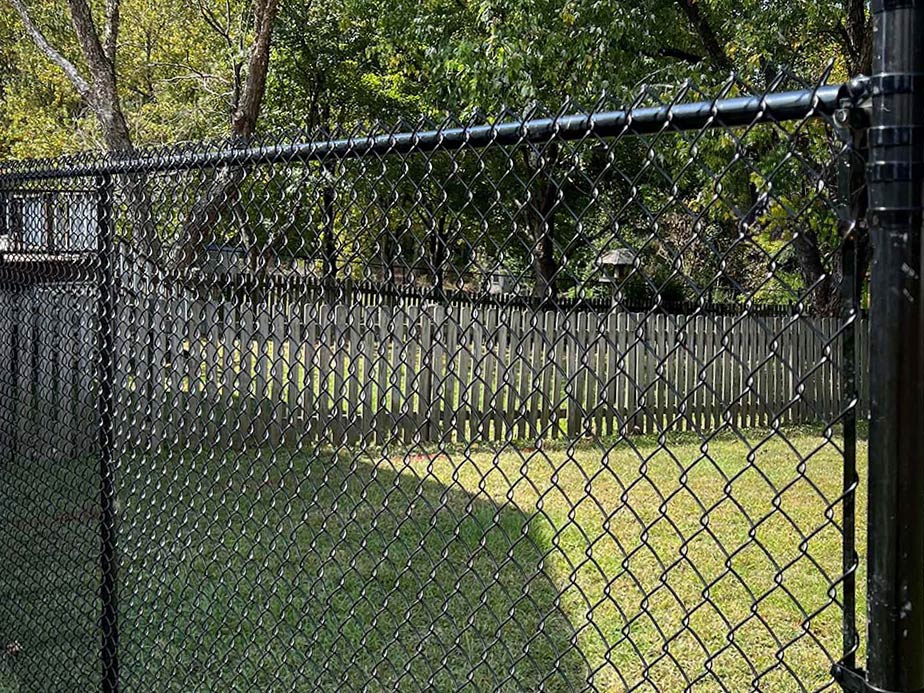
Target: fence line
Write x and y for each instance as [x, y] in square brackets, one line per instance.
[345, 374]
[449, 536]
[285, 287]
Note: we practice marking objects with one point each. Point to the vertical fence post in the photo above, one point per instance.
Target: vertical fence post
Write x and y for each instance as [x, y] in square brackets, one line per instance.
[15, 386]
[895, 587]
[106, 294]
[852, 124]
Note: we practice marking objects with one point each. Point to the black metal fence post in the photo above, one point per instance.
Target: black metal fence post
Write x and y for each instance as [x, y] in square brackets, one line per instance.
[895, 588]
[105, 408]
[15, 386]
[852, 124]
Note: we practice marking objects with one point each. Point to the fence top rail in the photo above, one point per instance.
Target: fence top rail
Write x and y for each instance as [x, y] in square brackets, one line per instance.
[674, 117]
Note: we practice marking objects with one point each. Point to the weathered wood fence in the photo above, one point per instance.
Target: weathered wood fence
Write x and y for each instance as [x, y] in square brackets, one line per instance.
[201, 371]
[48, 400]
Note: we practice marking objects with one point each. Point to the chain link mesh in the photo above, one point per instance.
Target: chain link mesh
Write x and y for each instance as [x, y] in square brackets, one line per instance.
[550, 401]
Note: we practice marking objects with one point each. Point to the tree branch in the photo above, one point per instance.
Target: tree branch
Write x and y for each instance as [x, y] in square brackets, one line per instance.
[212, 21]
[707, 34]
[112, 30]
[100, 67]
[50, 52]
[244, 120]
[676, 54]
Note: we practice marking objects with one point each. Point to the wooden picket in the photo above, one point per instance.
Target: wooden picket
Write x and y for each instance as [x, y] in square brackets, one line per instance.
[195, 370]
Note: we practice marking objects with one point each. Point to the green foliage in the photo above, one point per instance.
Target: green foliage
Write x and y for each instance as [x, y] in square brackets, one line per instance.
[366, 60]
[351, 64]
[40, 115]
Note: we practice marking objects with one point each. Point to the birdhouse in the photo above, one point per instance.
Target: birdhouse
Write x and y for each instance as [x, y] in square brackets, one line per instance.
[616, 264]
[500, 282]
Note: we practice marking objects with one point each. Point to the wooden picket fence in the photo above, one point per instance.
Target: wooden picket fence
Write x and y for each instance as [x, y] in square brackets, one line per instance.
[48, 385]
[199, 372]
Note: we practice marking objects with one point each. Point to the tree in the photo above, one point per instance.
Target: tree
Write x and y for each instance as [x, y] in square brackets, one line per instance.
[224, 191]
[97, 85]
[350, 63]
[325, 77]
[96, 79]
[482, 55]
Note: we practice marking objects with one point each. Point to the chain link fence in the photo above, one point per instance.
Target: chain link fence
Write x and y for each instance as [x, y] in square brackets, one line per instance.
[554, 401]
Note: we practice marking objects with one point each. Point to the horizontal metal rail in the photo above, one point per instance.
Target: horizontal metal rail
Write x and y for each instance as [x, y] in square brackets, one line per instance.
[738, 111]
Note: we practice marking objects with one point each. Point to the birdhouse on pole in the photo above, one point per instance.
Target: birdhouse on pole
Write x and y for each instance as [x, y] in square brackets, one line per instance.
[616, 264]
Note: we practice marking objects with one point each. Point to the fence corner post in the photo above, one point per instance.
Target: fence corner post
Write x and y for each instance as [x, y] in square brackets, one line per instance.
[895, 577]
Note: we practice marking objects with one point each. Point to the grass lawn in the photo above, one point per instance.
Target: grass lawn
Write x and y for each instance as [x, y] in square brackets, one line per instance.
[671, 568]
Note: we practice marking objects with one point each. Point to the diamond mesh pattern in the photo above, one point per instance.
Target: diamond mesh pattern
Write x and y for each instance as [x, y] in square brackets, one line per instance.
[554, 408]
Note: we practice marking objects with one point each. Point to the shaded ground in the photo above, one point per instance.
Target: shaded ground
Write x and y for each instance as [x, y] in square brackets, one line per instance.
[49, 584]
[664, 567]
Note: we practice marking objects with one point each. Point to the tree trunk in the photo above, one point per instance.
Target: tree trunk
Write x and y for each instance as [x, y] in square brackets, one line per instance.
[438, 254]
[820, 282]
[244, 120]
[708, 36]
[542, 223]
[224, 192]
[104, 99]
[543, 192]
[329, 231]
[328, 200]
[858, 46]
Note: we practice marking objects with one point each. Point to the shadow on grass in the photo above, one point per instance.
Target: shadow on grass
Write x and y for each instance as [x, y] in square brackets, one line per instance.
[422, 572]
[49, 575]
[302, 573]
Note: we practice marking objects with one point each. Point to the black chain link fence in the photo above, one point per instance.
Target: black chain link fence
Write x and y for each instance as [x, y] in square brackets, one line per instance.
[553, 401]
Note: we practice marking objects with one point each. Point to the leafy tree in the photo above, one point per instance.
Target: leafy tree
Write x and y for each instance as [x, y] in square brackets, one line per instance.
[166, 71]
[88, 57]
[467, 57]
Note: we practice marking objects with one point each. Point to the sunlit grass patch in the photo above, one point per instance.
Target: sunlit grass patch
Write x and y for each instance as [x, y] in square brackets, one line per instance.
[665, 564]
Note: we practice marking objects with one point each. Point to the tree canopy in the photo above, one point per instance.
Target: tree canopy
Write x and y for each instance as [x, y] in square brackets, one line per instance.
[180, 65]
[124, 73]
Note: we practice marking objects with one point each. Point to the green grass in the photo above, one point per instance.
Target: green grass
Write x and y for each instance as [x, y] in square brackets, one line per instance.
[508, 568]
